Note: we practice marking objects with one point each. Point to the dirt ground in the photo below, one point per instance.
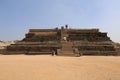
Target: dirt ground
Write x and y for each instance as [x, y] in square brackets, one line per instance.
[47, 67]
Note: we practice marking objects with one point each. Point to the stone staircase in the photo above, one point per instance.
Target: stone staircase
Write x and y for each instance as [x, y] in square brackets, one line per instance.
[67, 49]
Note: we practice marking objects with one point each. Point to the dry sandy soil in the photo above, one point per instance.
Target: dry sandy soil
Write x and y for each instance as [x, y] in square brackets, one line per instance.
[46, 67]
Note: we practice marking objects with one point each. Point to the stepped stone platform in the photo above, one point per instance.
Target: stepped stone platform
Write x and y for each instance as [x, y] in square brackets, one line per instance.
[95, 48]
[64, 42]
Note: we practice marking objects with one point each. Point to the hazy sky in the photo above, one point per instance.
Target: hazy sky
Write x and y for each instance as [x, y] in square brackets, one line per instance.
[17, 16]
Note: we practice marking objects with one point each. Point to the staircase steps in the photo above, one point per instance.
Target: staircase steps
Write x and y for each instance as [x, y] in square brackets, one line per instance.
[66, 50]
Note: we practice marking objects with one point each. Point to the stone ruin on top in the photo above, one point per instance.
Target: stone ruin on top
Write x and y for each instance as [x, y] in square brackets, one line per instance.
[64, 41]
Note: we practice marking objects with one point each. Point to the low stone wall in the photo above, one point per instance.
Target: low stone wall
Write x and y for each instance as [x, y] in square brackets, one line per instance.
[2, 51]
[118, 51]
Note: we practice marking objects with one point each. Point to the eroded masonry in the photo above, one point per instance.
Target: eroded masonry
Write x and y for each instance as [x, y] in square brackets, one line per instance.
[64, 41]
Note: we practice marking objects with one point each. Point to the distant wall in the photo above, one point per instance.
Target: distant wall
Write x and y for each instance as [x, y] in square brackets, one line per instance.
[2, 51]
[118, 51]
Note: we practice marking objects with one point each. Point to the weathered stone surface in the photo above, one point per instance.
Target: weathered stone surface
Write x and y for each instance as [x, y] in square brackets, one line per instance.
[37, 41]
[65, 41]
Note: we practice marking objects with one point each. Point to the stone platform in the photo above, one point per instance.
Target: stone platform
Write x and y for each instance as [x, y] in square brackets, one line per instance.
[64, 41]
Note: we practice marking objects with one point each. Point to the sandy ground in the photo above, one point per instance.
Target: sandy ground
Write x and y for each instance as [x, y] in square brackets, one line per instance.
[46, 67]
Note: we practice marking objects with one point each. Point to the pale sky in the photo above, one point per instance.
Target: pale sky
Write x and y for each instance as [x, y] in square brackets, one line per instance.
[18, 16]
